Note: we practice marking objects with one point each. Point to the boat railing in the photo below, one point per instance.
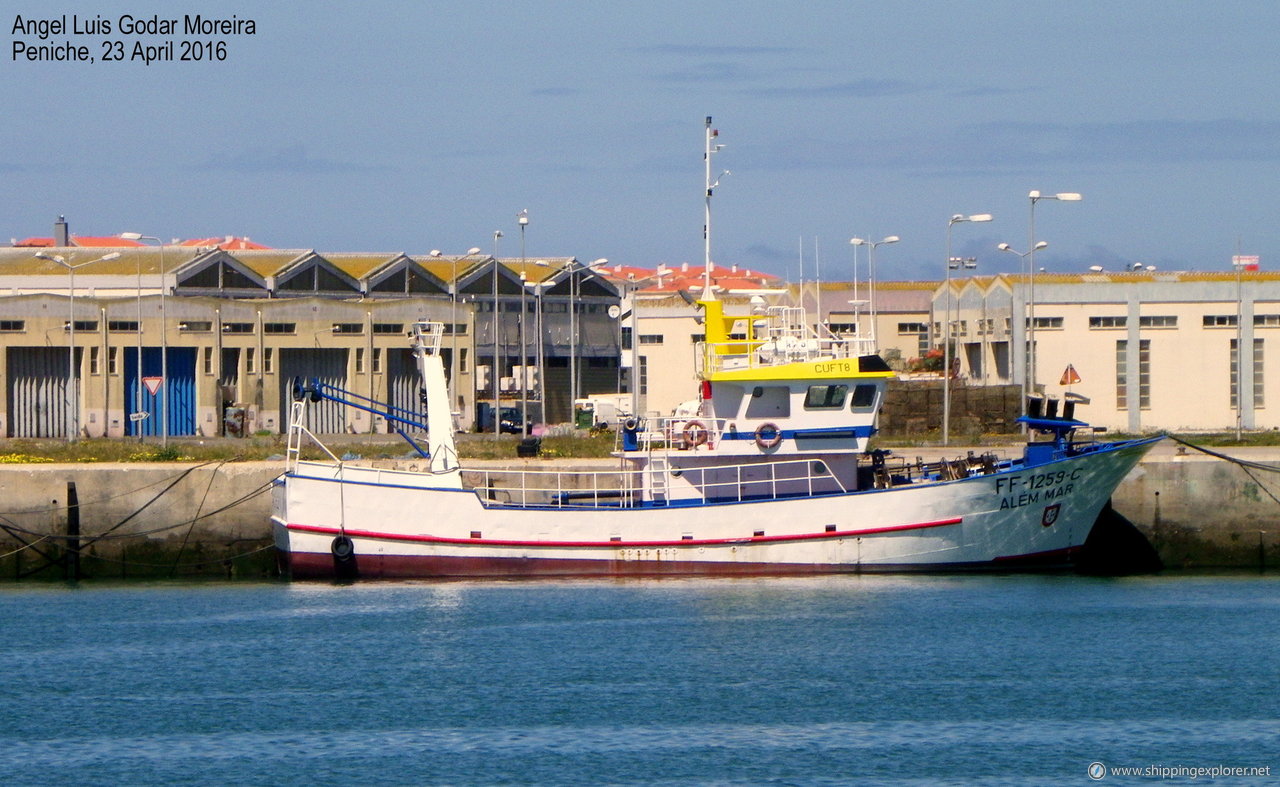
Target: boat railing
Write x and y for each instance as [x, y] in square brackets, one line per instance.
[298, 431]
[428, 335]
[676, 433]
[762, 353]
[627, 488]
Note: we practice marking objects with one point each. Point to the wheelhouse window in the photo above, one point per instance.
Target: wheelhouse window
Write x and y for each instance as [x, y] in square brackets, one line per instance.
[864, 398]
[825, 397]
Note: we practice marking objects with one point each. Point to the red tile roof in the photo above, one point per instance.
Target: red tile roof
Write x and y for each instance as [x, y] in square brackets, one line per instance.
[666, 278]
[228, 242]
[87, 241]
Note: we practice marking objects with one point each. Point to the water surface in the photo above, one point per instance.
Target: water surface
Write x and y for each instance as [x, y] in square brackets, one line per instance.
[827, 680]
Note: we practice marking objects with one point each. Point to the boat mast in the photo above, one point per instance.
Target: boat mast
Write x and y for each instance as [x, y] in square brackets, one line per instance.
[712, 133]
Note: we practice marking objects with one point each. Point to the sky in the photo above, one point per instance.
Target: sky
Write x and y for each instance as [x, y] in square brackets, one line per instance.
[391, 126]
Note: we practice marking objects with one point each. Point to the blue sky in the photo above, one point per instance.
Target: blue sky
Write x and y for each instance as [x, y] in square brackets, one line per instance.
[409, 126]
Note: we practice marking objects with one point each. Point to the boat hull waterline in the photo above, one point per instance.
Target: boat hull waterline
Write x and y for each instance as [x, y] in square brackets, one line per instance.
[399, 527]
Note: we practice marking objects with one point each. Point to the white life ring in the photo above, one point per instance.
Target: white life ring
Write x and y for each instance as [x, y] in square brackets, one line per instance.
[695, 434]
[768, 436]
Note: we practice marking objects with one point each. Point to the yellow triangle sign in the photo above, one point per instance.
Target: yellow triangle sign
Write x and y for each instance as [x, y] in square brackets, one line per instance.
[1069, 377]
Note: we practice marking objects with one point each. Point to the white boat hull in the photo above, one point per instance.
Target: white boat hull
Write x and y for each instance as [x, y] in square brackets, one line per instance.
[399, 526]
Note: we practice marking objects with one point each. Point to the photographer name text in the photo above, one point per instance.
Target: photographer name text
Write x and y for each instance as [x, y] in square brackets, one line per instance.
[140, 40]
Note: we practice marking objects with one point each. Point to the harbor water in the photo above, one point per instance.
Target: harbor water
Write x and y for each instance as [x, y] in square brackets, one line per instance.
[824, 680]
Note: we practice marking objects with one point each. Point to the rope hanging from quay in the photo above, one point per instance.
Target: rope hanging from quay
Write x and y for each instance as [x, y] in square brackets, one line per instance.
[1247, 466]
[107, 535]
[168, 479]
[1233, 460]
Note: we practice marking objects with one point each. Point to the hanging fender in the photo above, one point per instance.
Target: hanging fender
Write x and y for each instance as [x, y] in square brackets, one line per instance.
[343, 548]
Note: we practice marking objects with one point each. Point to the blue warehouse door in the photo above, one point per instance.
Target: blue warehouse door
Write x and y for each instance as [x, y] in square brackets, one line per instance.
[178, 392]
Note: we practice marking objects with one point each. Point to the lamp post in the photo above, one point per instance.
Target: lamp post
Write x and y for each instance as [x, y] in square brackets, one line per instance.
[73, 405]
[524, 374]
[497, 364]
[538, 288]
[1028, 386]
[453, 323]
[522, 218]
[946, 328]
[871, 273]
[164, 342]
[575, 290]
[1029, 378]
[1239, 263]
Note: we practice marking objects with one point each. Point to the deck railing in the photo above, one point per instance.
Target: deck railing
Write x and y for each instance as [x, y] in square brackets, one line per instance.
[628, 488]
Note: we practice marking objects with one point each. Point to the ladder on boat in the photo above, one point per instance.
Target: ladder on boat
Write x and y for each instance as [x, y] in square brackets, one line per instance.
[658, 486]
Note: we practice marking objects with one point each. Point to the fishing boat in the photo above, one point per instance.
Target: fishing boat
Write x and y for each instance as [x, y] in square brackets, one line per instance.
[771, 475]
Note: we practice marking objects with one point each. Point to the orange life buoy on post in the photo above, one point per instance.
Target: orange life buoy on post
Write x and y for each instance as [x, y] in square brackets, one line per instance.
[768, 436]
[695, 434]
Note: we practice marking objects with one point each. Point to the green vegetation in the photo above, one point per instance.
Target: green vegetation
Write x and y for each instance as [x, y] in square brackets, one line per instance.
[273, 446]
[470, 446]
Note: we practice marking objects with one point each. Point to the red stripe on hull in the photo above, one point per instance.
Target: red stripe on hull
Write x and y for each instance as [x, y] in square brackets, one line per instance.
[622, 544]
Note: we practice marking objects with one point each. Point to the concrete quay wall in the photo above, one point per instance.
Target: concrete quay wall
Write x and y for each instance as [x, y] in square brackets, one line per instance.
[136, 519]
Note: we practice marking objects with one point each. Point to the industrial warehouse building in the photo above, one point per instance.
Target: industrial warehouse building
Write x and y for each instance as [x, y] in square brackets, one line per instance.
[1152, 349]
[240, 325]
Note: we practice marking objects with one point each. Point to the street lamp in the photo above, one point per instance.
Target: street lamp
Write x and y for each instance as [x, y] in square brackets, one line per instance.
[1239, 262]
[1029, 377]
[164, 343]
[453, 323]
[496, 363]
[871, 274]
[73, 405]
[1028, 321]
[522, 218]
[538, 288]
[946, 328]
[575, 291]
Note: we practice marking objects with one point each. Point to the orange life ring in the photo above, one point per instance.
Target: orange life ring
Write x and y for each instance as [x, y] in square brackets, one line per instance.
[695, 434]
[768, 436]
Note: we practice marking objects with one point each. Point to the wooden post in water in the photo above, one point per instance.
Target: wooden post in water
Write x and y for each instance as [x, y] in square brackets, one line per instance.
[71, 558]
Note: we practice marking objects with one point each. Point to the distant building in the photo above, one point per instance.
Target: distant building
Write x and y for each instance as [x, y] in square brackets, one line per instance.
[1153, 350]
[240, 325]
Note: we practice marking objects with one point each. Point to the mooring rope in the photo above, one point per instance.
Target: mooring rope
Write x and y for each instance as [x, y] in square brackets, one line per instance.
[1234, 460]
[1247, 466]
[196, 518]
[167, 479]
[107, 535]
[23, 547]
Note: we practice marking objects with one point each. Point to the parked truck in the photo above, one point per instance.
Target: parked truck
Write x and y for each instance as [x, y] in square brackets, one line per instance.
[601, 411]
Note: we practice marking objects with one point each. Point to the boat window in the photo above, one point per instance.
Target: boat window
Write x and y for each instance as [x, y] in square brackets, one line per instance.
[864, 398]
[822, 397]
[769, 401]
